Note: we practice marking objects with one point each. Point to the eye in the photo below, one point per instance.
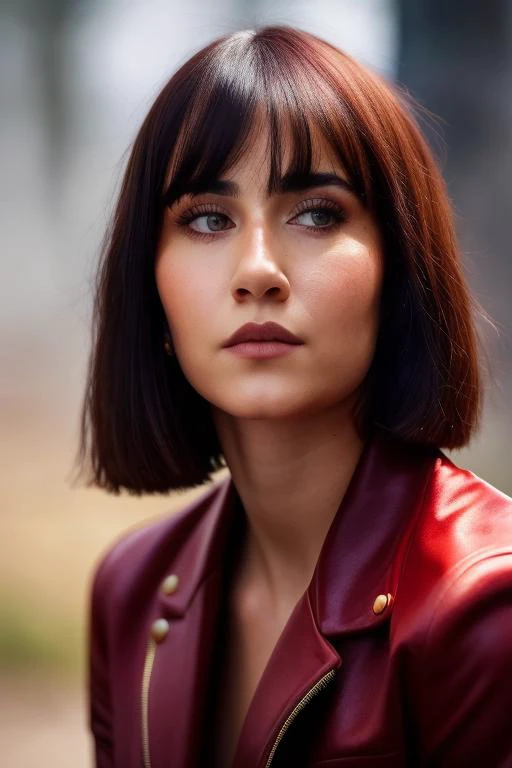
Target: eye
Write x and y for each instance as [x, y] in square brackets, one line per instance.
[319, 214]
[204, 220]
[318, 217]
[211, 222]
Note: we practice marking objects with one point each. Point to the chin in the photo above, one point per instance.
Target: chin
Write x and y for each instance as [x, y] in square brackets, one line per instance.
[257, 408]
[274, 398]
[272, 407]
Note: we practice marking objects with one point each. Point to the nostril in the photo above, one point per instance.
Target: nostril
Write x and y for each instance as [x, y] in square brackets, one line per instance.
[272, 291]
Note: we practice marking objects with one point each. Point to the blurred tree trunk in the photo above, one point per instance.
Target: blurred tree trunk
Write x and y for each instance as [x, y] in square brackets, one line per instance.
[455, 58]
[47, 21]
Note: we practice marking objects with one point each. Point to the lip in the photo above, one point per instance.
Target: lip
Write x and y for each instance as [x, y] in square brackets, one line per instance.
[261, 333]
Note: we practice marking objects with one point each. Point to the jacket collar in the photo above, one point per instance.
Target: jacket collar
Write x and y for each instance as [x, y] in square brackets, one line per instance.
[363, 549]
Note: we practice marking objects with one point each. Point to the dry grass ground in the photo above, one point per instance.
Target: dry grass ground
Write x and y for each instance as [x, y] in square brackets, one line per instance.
[43, 724]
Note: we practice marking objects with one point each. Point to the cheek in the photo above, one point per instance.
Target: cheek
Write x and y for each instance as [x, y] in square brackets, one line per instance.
[187, 295]
[345, 294]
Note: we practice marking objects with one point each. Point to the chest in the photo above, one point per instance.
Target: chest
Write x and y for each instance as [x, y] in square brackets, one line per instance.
[256, 688]
[333, 722]
[246, 644]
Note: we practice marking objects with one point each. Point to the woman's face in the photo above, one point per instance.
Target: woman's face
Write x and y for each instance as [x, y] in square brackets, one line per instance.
[308, 258]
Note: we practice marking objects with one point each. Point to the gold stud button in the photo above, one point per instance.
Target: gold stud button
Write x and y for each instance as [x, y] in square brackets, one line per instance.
[170, 584]
[159, 630]
[381, 602]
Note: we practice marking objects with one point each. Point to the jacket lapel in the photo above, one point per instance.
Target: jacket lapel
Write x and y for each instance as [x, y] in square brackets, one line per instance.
[362, 553]
[301, 662]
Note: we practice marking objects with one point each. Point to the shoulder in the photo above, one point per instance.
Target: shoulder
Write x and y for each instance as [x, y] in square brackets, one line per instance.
[462, 520]
[459, 554]
[465, 534]
[458, 489]
[130, 561]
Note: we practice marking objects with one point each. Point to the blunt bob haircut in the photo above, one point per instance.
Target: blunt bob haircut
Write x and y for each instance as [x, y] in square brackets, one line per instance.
[144, 428]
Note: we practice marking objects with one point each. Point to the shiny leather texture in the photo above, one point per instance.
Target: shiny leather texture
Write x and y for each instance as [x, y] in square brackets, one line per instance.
[425, 682]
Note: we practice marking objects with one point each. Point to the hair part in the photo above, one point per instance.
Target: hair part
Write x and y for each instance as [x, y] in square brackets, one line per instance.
[144, 428]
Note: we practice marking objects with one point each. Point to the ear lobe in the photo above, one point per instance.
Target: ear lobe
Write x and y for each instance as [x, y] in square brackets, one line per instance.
[168, 345]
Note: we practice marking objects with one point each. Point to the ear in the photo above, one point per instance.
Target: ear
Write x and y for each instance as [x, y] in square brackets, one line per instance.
[168, 345]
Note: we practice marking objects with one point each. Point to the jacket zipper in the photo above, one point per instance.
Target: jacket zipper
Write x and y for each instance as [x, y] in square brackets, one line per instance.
[146, 679]
[325, 680]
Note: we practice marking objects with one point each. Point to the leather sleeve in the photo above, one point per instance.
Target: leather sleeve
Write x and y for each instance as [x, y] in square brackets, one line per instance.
[100, 711]
[464, 684]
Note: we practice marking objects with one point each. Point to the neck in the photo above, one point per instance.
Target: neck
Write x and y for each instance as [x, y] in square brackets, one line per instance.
[291, 476]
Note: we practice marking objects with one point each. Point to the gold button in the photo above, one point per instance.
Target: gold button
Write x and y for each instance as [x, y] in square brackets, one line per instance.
[159, 630]
[170, 584]
[381, 602]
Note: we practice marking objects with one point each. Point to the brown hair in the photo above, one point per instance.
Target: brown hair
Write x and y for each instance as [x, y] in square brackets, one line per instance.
[144, 426]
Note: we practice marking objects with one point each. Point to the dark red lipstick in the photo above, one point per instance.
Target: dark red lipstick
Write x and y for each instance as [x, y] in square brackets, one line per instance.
[262, 340]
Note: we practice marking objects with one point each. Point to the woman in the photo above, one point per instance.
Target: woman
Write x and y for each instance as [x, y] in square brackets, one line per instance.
[281, 293]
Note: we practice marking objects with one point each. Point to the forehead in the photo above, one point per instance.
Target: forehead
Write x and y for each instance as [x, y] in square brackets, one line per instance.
[255, 159]
[272, 155]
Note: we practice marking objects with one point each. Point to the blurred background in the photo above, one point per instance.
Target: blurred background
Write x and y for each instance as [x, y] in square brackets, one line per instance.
[76, 79]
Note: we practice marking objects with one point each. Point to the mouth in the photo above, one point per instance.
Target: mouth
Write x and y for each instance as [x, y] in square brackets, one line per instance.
[262, 341]
[263, 334]
[262, 350]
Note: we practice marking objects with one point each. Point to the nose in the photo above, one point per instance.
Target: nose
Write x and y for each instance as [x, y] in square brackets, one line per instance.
[258, 272]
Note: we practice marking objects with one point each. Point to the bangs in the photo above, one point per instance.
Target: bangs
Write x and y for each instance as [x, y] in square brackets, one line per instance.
[250, 86]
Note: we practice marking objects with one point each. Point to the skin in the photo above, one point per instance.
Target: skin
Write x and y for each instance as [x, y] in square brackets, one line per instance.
[285, 424]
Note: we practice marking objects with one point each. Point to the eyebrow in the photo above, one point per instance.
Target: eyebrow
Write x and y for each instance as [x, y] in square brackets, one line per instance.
[299, 182]
[290, 182]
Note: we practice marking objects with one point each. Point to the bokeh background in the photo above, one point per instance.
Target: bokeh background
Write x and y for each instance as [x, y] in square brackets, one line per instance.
[76, 79]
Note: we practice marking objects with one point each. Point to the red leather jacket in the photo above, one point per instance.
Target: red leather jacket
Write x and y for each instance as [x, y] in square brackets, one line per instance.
[399, 653]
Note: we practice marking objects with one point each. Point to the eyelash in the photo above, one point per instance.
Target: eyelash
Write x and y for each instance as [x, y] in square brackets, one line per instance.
[305, 206]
